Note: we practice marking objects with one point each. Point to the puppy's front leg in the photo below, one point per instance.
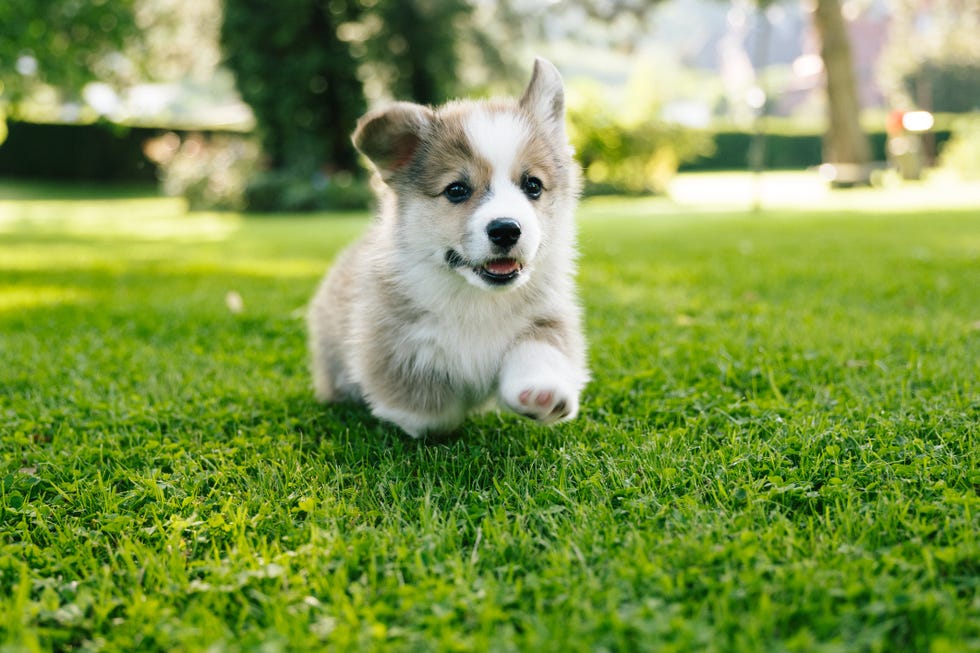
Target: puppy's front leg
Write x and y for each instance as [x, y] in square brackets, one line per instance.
[539, 381]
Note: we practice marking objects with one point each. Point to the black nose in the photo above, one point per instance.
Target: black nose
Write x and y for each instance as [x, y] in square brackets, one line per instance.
[504, 232]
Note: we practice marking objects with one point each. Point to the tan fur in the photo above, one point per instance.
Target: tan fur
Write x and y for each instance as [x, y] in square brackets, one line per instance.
[422, 342]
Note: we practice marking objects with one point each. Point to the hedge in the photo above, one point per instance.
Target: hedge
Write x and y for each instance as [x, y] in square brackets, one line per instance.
[782, 151]
[105, 151]
[99, 151]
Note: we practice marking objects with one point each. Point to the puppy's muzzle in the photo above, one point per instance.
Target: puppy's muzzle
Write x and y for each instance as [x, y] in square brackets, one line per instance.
[504, 232]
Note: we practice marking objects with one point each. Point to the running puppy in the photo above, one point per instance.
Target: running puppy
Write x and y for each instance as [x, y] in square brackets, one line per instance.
[462, 290]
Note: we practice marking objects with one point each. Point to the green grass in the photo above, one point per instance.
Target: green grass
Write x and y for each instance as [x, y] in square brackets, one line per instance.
[779, 451]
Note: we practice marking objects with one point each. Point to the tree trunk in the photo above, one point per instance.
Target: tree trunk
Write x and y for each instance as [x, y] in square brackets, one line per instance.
[845, 145]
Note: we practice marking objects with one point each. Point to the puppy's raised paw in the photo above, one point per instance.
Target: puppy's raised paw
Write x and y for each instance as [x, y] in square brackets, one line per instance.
[546, 404]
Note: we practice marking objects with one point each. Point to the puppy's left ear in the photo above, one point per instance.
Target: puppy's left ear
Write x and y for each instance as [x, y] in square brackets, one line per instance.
[544, 97]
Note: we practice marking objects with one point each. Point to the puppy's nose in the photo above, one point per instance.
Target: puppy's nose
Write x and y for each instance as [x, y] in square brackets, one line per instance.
[504, 232]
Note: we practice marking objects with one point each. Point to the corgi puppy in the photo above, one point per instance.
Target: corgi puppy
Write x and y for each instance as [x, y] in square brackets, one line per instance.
[462, 291]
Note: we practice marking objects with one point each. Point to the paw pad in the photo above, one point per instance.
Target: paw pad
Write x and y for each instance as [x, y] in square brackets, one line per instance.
[545, 405]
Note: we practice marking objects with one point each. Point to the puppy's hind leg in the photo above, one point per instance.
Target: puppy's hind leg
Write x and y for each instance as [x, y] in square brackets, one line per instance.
[417, 424]
[323, 386]
[331, 380]
[538, 381]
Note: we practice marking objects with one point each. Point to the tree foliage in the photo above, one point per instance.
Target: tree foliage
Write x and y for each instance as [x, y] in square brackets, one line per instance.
[299, 78]
[931, 59]
[415, 47]
[63, 43]
[180, 39]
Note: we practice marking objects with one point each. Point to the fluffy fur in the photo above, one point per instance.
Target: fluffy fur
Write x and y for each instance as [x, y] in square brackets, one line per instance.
[462, 291]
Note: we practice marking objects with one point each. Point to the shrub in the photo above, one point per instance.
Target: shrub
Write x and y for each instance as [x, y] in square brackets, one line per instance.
[961, 153]
[620, 154]
[278, 190]
[223, 172]
[210, 172]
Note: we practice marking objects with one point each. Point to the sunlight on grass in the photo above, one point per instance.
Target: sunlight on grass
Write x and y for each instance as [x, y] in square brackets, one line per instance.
[150, 218]
[254, 267]
[14, 298]
[807, 191]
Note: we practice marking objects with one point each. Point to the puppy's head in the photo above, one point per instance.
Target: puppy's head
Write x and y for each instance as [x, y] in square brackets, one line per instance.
[481, 188]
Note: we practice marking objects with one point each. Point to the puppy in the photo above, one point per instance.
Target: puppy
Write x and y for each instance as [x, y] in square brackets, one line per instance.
[462, 290]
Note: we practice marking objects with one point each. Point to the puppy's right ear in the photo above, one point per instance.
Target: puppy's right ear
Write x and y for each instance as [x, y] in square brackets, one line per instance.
[389, 137]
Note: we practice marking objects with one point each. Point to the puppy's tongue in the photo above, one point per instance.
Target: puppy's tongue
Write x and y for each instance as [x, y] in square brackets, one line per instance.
[502, 266]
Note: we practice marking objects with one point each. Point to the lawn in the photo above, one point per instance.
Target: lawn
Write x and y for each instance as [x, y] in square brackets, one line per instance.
[780, 450]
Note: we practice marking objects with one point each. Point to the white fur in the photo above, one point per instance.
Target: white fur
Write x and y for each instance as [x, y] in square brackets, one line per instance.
[539, 381]
[497, 137]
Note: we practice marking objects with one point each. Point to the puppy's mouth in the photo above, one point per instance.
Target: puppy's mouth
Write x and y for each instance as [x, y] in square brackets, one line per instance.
[500, 271]
[495, 271]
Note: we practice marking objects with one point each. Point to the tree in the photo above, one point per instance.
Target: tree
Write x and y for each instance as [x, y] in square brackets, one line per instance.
[299, 78]
[844, 141]
[64, 44]
[180, 39]
[430, 51]
[416, 47]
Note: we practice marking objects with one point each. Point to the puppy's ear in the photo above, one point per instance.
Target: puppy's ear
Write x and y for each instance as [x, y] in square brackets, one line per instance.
[389, 137]
[544, 97]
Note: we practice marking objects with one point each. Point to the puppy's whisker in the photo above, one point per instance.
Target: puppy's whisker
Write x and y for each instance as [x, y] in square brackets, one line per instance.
[455, 260]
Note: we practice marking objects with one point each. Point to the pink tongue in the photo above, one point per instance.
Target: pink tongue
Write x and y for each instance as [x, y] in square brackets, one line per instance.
[502, 266]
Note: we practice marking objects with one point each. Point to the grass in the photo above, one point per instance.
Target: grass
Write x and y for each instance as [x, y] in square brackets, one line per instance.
[779, 451]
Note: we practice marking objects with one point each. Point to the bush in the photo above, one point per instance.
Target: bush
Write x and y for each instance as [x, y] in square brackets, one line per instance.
[961, 153]
[620, 154]
[949, 86]
[211, 172]
[274, 191]
[223, 172]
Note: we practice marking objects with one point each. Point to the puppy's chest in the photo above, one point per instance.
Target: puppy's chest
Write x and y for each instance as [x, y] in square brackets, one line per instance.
[465, 350]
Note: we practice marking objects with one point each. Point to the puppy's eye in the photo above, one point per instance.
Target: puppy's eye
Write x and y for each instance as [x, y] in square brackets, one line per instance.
[532, 187]
[457, 192]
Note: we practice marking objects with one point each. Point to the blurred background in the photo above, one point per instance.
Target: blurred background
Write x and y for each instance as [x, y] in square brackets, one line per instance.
[246, 104]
